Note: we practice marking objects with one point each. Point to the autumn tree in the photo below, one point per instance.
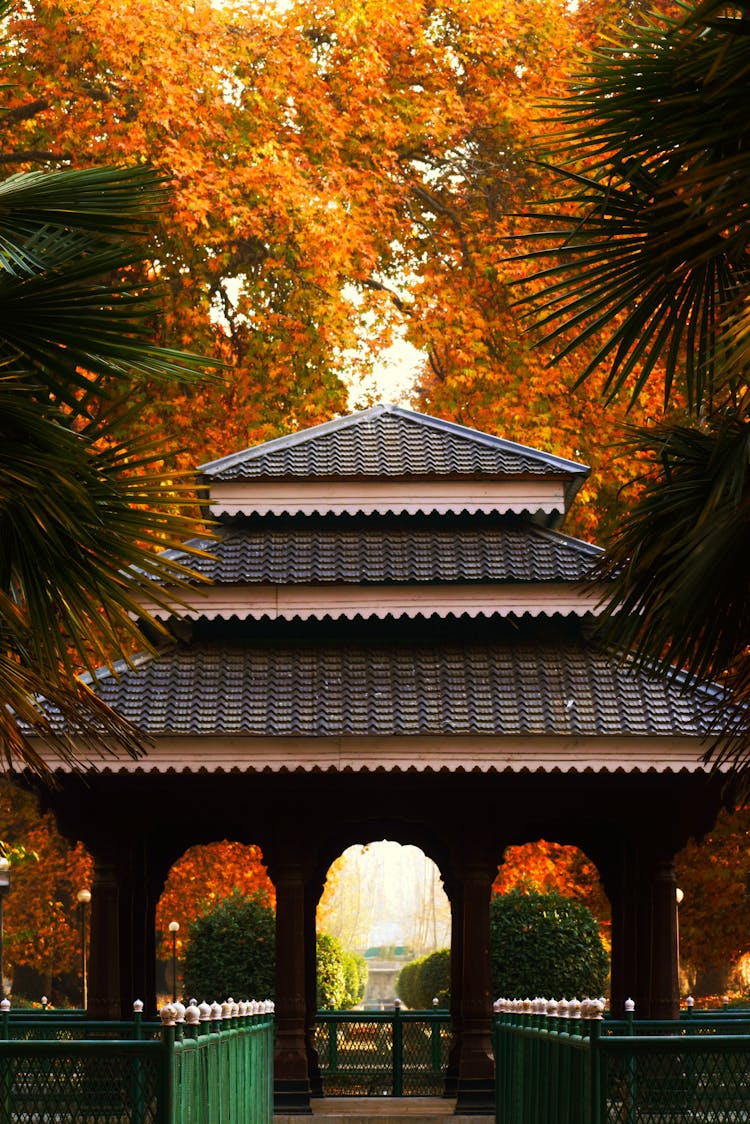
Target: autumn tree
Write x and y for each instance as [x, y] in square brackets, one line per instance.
[41, 918]
[714, 913]
[341, 173]
[204, 876]
[545, 867]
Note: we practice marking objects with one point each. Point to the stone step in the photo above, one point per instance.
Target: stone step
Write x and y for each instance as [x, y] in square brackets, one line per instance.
[379, 1110]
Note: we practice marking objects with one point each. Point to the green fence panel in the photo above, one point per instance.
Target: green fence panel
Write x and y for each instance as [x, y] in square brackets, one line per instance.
[137, 1073]
[553, 1070]
[382, 1053]
[223, 1072]
[82, 1082]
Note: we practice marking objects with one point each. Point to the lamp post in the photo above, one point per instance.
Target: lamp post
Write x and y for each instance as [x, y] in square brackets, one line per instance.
[174, 928]
[84, 897]
[679, 896]
[4, 887]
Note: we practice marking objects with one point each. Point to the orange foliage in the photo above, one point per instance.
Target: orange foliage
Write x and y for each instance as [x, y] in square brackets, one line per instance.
[201, 878]
[340, 172]
[553, 867]
[41, 914]
[715, 910]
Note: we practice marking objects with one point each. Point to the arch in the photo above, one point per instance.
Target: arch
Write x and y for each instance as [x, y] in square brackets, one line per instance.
[198, 879]
[402, 884]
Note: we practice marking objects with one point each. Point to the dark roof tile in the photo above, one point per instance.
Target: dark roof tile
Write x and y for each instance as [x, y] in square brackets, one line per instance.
[485, 552]
[389, 441]
[483, 689]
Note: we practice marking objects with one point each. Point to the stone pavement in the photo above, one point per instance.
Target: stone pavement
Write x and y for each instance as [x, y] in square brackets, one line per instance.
[379, 1110]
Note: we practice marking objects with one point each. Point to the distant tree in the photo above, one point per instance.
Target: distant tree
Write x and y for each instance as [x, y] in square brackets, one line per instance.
[203, 876]
[715, 911]
[545, 944]
[424, 979]
[41, 919]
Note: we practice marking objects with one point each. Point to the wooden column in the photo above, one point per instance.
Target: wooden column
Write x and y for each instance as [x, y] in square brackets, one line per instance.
[104, 955]
[476, 1067]
[291, 1082]
[141, 886]
[642, 889]
[312, 897]
[664, 987]
[456, 898]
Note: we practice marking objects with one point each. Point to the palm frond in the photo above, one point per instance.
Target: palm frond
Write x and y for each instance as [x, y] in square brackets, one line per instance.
[655, 141]
[85, 516]
[678, 585]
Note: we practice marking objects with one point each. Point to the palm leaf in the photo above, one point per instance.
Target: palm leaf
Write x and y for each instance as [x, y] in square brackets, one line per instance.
[679, 593]
[85, 516]
[656, 196]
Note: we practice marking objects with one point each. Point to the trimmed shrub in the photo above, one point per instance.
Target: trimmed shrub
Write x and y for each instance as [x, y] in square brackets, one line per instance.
[341, 979]
[424, 979]
[231, 951]
[406, 982]
[545, 944]
[355, 975]
[434, 979]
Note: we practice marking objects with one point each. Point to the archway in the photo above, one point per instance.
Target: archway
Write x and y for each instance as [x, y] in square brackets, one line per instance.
[197, 882]
[550, 923]
[385, 901]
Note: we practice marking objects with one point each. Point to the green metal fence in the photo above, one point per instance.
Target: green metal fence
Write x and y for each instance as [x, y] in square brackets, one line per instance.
[215, 1066]
[382, 1054]
[556, 1067]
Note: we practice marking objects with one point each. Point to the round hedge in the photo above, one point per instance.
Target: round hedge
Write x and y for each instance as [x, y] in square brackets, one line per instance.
[545, 944]
[231, 950]
[427, 978]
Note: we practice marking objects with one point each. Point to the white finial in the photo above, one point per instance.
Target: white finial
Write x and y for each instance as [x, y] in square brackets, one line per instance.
[215, 1011]
[562, 1009]
[629, 1005]
[138, 1007]
[552, 1008]
[689, 1002]
[167, 1015]
[205, 1011]
[574, 1009]
[192, 1014]
[226, 1009]
[4, 1004]
[179, 1011]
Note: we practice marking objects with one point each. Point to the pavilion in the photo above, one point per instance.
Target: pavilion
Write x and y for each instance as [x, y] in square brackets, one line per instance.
[394, 640]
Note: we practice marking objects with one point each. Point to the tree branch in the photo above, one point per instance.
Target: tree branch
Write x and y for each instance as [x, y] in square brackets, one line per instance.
[35, 156]
[24, 112]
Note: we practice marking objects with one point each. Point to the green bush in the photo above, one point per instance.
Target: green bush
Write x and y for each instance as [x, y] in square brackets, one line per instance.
[545, 944]
[406, 982]
[424, 979]
[434, 979]
[355, 973]
[342, 976]
[231, 951]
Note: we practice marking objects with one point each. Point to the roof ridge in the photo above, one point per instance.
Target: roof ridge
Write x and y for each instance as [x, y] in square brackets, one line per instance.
[348, 421]
[298, 437]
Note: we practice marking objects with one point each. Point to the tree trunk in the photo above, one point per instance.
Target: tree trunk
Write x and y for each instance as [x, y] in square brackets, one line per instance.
[712, 979]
